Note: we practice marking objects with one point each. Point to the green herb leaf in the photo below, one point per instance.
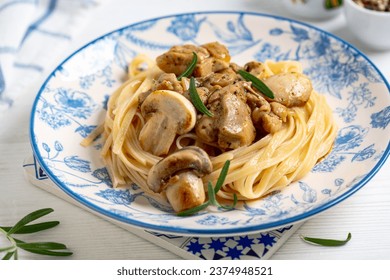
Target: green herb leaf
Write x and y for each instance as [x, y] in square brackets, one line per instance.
[193, 210]
[33, 228]
[8, 256]
[214, 201]
[41, 245]
[222, 176]
[190, 67]
[230, 207]
[43, 248]
[49, 252]
[196, 99]
[235, 200]
[21, 227]
[211, 193]
[257, 83]
[327, 242]
[331, 4]
[6, 248]
[29, 218]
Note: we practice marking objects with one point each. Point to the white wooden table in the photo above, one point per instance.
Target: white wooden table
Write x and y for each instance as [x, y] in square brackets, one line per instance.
[366, 214]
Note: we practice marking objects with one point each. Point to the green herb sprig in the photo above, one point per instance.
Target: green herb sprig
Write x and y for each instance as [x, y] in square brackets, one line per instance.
[190, 67]
[331, 4]
[257, 83]
[196, 99]
[327, 242]
[212, 195]
[23, 227]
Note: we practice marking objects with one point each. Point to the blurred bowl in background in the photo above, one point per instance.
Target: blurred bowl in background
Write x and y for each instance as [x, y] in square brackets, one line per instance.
[370, 27]
[314, 9]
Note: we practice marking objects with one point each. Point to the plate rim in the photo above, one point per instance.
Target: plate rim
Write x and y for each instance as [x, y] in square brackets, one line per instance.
[206, 232]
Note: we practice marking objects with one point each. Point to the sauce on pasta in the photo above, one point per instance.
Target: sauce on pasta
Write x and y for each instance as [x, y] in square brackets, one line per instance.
[157, 139]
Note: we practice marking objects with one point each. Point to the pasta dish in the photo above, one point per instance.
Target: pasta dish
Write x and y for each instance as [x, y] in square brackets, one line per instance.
[158, 136]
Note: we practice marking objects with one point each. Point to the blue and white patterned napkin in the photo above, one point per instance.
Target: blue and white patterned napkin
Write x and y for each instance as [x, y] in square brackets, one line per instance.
[243, 247]
[34, 35]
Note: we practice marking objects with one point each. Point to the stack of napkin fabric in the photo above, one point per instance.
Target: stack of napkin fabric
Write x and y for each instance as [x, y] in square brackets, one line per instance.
[35, 35]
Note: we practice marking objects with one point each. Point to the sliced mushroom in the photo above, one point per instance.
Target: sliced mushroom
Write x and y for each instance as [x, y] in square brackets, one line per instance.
[290, 89]
[167, 114]
[185, 191]
[189, 158]
[180, 176]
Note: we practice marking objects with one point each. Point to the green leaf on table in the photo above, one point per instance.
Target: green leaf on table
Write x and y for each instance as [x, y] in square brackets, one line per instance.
[6, 248]
[49, 252]
[8, 256]
[29, 218]
[23, 227]
[326, 242]
[33, 228]
[41, 245]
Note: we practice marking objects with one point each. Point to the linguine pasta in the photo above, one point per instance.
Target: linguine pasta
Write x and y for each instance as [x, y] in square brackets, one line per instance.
[267, 165]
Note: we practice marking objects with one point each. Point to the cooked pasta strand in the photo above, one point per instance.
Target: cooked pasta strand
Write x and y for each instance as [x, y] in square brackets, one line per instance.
[265, 166]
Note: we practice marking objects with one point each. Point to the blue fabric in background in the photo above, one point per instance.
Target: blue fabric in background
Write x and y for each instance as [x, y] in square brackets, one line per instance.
[33, 35]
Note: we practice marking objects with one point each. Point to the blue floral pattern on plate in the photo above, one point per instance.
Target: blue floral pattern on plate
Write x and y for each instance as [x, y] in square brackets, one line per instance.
[73, 100]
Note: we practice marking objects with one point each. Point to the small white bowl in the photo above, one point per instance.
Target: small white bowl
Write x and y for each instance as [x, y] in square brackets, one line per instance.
[372, 28]
[311, 9]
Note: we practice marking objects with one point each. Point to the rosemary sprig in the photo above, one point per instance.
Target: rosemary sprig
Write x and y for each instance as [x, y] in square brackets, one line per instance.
[331, 4]
[190, 67]
[34, 228]
[189, 212]
[326, 242]
[257, 83]
[23, 227]
[212, 195]
[222, 176]
[196, 99]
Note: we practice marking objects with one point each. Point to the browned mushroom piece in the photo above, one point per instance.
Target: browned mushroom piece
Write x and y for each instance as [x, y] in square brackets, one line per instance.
[185, 191]
[268, 121]
[220, 57]
[167, 81]
[167, 114]
[255, 68]
[180, 176]
[231, 126]
[177, 58]
[212, 57]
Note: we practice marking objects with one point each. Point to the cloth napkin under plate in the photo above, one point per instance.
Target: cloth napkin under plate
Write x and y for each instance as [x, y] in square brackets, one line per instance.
[243, 247]
[34, 35]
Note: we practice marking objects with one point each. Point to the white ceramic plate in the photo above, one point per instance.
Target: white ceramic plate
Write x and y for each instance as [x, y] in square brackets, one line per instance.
[72, 102]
